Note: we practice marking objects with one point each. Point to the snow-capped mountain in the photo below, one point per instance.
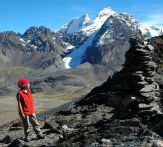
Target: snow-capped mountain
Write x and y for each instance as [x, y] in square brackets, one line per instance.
[78, 24]
[88, 31]
[103, 40]
[150, 31]
[98, 21]
[107, 28]
[85, 25]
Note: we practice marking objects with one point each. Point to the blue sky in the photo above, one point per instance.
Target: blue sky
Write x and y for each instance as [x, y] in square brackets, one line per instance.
[19, 15]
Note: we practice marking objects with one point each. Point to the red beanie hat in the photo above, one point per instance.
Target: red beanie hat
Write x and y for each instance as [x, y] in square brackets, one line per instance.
[23, 83]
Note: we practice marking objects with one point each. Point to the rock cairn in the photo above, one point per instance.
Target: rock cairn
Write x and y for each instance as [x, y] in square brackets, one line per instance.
[134, 86]
[140, 70]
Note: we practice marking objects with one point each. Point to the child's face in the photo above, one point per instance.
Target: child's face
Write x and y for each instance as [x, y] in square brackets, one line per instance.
[28, 86]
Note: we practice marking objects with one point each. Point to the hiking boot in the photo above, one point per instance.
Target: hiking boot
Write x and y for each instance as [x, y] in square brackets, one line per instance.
[40, 136]
[27, 139]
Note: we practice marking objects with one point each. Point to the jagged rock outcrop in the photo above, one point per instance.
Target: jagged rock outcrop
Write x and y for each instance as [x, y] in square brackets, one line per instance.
[10, 45]
[35, 48]
[37, 35]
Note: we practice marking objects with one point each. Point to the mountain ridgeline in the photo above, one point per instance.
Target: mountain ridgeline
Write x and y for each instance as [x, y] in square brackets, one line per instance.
[113, 51]
[103, 41]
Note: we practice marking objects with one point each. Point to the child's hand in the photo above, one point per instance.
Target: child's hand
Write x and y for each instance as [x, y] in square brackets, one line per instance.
[22, 115]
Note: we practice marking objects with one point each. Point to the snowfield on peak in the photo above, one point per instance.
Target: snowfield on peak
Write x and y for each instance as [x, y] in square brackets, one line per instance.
[77, 24]
[85, 27]
[89, 28]
[75, 58]
[98, 21]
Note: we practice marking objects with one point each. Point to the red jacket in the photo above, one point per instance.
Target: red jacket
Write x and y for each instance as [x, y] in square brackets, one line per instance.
[27, 102]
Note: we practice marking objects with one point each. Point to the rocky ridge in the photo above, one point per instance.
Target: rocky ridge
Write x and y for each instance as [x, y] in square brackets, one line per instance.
[124, 111]
[35, 48]
[40, 47]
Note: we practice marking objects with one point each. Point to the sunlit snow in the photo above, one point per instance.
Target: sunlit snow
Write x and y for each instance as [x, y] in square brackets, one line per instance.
[34, 46]
[90, 28]
[23, 42]
[78, 23]
[67, 60]
[99, 20]
[76, 56]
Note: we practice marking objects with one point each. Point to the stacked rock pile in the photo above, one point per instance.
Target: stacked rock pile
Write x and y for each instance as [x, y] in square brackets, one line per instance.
[134, 86]
[141, 69]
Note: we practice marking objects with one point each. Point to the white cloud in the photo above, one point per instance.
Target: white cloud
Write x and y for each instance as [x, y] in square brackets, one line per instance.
[154, 19]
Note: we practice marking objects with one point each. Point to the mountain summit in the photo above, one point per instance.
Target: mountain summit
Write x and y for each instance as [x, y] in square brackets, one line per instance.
[78, 24]
[106, 12]
[99, 20]
[87, 26]
[102, 40]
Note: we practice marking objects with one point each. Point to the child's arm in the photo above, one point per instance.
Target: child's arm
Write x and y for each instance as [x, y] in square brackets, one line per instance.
[20, 106]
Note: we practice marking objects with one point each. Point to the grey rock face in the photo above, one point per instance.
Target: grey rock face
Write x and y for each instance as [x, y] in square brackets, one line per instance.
[110, 43]
[37, 35]
[35, 48]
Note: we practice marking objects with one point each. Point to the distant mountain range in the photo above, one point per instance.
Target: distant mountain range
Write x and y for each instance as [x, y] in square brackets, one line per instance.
[70, 63]
[103, 41]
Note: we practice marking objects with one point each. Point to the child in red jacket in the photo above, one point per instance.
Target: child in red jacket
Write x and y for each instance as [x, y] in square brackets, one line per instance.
[27, 110]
